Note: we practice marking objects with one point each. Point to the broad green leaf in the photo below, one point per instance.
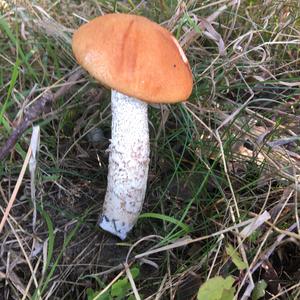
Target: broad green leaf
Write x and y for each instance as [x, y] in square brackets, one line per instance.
[236, 259]
[90, 293]
[259, 290]
[135, 272]
[217, 288]
[228, 294]
[93, 295]
[120, 288]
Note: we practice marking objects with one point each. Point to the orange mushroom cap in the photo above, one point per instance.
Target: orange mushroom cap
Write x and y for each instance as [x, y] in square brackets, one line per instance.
[134, 56]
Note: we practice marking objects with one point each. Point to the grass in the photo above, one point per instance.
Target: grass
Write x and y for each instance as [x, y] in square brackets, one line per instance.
[228, 155]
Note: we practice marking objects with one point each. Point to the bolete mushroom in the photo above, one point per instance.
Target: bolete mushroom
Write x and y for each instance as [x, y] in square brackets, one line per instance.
[142, 63]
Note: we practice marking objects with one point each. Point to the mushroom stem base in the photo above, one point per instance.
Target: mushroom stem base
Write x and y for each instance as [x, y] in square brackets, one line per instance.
[128, 165]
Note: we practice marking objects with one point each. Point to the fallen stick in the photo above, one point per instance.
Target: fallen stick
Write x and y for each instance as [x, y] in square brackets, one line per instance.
[35, 111]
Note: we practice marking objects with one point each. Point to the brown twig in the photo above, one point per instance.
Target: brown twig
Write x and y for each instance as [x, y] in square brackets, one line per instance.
[35, 111]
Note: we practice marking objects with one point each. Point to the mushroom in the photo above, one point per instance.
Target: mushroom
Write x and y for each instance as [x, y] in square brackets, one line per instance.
[142, 63]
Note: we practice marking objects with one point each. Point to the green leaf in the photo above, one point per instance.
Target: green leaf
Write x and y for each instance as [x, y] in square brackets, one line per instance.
[259, 290]
[120, 288]
[236, 259]
[135, 272]
[90, 293]
[217, 288]
[93, 295]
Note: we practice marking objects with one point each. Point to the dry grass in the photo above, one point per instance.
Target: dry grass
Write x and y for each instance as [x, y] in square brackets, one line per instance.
[227, 157]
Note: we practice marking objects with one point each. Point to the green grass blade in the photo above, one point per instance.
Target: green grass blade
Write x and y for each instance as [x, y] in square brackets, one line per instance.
[165, 218]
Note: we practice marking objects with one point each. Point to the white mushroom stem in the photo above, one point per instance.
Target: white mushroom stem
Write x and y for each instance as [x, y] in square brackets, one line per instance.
[128, 165]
